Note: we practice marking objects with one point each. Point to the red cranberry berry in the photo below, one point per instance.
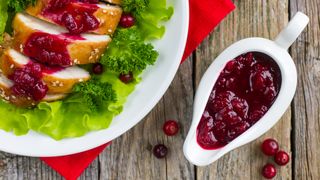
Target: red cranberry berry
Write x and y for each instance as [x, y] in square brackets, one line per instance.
[160, 151]
[270, 147]
[57, 4]
[230, 66]
[39, 91]
[281, 158]
[126, 78]
[90, 1]
[269, 171]
[90, 22]
[72, 23]
[97, 68]
[127, 20]
[170, 128]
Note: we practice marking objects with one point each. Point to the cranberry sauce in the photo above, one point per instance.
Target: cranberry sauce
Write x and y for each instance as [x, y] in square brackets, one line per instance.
[76, 15]
[27, 80]
[49, 49]
[243, 93]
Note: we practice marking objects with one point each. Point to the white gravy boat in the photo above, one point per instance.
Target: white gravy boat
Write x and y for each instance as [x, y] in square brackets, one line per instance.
[275, 49]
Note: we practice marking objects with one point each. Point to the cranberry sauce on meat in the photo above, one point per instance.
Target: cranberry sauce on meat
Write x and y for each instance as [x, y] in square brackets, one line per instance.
[27, 80]
[76, 15]
[243, 93]
[49, 49]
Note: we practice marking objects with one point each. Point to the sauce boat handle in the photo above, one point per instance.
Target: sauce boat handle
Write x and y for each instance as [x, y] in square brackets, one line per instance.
[295, 27]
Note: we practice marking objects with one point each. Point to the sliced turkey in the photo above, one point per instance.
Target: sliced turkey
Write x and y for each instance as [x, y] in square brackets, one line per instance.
[22, 101]
[52, 45]
[78, 17]
[57, 79]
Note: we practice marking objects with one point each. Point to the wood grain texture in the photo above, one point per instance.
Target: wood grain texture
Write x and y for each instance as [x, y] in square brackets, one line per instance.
[130, 156]
[251, 18]
[306, 107]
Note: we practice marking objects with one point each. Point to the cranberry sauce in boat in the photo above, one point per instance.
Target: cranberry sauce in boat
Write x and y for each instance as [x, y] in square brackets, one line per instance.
[242, 94]
[77, 16]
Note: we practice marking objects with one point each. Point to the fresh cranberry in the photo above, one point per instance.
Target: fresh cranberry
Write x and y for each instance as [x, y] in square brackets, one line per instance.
[160, 151]
[127, 20]
[126, 78]
[269, 147]
[170, 128]
[97, 68]
[281, 158]
[269, 171]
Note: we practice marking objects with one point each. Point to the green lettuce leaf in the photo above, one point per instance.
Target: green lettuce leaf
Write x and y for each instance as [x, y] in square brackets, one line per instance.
[71, 117]
[7, 10]
[149, 14]
[3, 17]
[149, 20]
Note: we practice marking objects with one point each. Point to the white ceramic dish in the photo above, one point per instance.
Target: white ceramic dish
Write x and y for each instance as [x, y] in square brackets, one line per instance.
[156, 80]
[278, 51]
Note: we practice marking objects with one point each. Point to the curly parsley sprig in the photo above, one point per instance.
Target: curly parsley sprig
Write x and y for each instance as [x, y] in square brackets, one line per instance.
[95, 93]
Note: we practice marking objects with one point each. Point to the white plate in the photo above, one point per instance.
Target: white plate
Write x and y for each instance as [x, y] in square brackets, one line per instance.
[156, 80]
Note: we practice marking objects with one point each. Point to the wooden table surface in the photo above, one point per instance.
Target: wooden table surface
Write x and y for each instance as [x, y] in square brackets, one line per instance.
[298, 132]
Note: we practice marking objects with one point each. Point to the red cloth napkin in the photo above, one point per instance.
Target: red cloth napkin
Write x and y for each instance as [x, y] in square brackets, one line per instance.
[204, 16]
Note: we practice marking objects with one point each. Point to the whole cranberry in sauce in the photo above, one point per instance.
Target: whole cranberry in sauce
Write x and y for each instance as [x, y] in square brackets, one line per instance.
[76, 17]
[243, 93]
